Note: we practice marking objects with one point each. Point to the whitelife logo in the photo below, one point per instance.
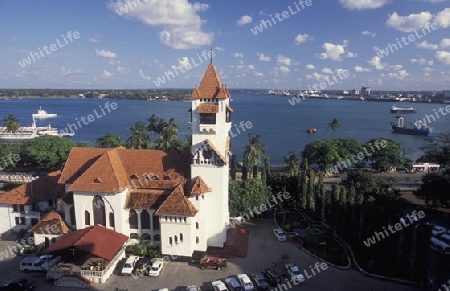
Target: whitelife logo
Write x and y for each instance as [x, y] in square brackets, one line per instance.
[34, 56]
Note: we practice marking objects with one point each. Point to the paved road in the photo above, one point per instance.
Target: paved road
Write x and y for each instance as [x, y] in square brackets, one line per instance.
[263, 250]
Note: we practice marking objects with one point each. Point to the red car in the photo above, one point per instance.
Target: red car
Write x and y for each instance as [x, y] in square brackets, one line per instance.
[213, 262]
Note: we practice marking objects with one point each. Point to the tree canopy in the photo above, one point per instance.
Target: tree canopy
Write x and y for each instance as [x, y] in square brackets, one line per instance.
[111, 140]
[437, 149]
[385, 153]
[246, 195]
[11, 123]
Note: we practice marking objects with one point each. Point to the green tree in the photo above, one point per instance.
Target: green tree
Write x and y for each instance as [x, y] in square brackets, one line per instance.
[253, 153]
[435, 187]
[48, 152]
[168, 139]
[437, 149]
[321, 152]
[292, 164]
[266, 172]
[156, 124]
[11, 123]
[110, 140]
[334, 126]
[384, 153]
[139, 138]
[247, 197]
[85, 144]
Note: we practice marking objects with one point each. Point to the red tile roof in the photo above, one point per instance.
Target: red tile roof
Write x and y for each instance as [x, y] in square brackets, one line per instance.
[146, 199]
[207, 108]
[199, 186]
[210, 86]
[52, 223]
[43, 189]
[79, 160]
[96, 240]
[177, 204]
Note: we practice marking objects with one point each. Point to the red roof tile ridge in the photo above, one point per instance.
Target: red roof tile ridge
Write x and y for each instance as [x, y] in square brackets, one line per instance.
[118, 169]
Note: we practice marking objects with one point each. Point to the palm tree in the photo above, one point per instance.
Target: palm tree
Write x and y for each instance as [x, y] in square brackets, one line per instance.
[139, 139]
[168, 139]
[156, 124]
[334, 126]
[253, 153]
[12, 123]
[292, 164]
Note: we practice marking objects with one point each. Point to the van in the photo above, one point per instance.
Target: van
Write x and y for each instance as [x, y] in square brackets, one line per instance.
[31, 264]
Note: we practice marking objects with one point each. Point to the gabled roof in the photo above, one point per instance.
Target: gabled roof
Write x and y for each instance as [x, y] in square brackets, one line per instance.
[52, 223]
[96, 240]
[43, 189]
[210, 86]
[177, 204]
[117, 169]
[146, 199]
[213, 147]
[199, 186]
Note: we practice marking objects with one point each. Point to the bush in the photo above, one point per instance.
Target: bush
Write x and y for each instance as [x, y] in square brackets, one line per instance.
[144, 248]
[30, 249]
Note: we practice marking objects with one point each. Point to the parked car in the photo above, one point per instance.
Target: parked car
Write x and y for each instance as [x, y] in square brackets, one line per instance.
[31, 263]
[193, 288]
[219, 286]
[213, 262]
[142, 266]
[156, 268]
[294, 273]
[233, 284]
[245, 282]
[279, 234]
[437, 230]
[260, 281]
[128, 267]
[439, 244]
[49, 261]
[18, 284]
[272, 276]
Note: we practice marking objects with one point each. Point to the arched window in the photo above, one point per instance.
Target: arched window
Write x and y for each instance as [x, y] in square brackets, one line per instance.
[132, 218]
[145, 219]
[98, 206]
[87, 218]
[176, 239]
[111, 220]
[196, 225]
[170, 241]
[181, 237]
[156, 224]
[72, 216]
[157, 237]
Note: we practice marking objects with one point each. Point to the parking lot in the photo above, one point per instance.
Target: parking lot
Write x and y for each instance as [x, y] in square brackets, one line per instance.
[263, 249]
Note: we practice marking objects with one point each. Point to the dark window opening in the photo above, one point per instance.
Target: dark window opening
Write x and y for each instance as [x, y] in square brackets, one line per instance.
[207, 118]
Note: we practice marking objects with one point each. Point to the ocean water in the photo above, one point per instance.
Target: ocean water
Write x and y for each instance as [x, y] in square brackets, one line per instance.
[281, 126]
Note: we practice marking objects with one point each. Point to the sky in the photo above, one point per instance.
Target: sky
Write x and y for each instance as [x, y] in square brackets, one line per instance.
[292, 45]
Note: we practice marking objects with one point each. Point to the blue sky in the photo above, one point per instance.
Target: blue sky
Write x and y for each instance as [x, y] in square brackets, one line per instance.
[152, 44]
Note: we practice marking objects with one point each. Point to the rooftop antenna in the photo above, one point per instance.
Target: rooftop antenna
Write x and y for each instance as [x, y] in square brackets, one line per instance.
[211, 54]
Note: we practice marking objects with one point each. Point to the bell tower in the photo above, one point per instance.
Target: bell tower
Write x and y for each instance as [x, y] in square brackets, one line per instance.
[211, 122]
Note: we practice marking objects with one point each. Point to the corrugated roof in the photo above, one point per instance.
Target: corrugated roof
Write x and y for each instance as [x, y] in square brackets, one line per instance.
[96, 240]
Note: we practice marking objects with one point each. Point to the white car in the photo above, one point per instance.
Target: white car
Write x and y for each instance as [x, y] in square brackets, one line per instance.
[156, 268]
[279, 234]
[294, 273]
[219, 286]
[245, 282]
[128, 267]
[437, 230]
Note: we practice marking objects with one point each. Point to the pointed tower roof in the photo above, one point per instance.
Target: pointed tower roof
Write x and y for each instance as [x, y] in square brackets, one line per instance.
[210, 86]
[198, 186]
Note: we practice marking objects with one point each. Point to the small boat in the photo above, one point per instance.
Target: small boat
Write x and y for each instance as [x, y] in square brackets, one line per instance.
[396, 109]
[43, 114]
[419, 128]
[311, 130]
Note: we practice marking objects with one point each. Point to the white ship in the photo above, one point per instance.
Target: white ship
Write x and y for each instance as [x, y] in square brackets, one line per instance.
[29, 132]
[43, 114]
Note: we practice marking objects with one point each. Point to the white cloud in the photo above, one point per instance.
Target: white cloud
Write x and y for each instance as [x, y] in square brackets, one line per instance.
[220, 49]
[107, 74]
[282, 60]
[410, 22]
[443, 18]
[332, 51]
[368, 33]
[420, 61]
[363, 4]
[105, 54]
[93, 40]
[426, 45]
[262, 57]
[361, 69]
[179, 20]
[123, 70]
[113, 62]
[251, 67]
[443, 57]
[183, 62]
[376, 62]
[445, 42]
[144, 76]
[258, 74]
[397, 67]
[69, 73]
[316, 76]
[245, 19]
[398, 75]
[310, 67]
[283, 69]
[301, 38]
[238, 55]
[327, 71]
[351, 55]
